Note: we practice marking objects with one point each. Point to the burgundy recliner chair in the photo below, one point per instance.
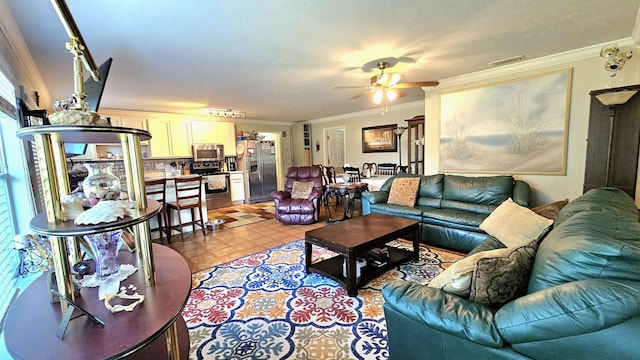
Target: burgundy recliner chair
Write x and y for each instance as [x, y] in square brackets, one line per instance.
[299, 211]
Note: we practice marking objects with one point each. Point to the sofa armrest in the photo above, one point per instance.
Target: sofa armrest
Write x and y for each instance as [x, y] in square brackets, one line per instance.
[567, 310]
[280, 195]
[375, 197]
[521, 193]
[442, 311]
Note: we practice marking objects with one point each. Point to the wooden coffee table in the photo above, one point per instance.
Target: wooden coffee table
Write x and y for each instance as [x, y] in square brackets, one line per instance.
[352, 239]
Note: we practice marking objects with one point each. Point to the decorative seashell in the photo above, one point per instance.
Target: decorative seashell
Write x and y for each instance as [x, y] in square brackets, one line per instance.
[104, 211]
[71, 207]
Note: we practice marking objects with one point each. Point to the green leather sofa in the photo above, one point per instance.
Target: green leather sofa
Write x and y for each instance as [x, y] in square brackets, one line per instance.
[582, 301]
[450, 208]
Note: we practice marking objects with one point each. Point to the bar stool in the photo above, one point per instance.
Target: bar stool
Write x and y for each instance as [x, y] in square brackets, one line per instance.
[157, 190]
[188, 197]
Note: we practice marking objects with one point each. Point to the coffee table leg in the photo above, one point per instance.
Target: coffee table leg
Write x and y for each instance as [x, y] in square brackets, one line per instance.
[352, 284]
[417, 235]
[308, 247]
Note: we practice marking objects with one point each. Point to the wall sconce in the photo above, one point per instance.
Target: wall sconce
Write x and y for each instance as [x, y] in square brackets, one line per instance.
[317, 145]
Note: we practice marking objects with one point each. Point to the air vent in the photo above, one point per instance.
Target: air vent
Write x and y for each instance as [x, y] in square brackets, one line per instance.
[507, 60]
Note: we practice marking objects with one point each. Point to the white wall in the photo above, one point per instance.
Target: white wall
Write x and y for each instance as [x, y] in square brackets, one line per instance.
[588, 74]
[354, 123]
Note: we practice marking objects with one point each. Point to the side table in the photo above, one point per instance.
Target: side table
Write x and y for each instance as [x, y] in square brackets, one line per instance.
[350, 191]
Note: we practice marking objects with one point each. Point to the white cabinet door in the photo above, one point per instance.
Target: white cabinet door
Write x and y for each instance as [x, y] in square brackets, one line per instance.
[160, 143]
[237, 187]
[180, 138]
[129, 122]
[209, 132]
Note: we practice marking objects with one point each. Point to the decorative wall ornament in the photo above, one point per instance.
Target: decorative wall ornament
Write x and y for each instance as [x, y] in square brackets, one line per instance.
[513, 127]
[379, 139]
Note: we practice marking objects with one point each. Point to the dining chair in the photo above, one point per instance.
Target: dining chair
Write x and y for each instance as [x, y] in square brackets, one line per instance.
[157, 190]
[354, 173]
[188, 197]
[372, 168]
[386, 169]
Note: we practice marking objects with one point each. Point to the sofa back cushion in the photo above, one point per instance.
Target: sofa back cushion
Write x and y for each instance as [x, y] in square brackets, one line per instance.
[304, 174]
[590, 244]
[479, 194]
[600, 199]
[430, 190]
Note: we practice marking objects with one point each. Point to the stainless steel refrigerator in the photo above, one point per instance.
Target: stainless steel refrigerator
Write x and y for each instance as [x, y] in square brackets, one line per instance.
[258, 160]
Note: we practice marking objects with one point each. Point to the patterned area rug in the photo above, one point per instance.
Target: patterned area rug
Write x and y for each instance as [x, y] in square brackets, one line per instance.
[264, 306]
[243, 215]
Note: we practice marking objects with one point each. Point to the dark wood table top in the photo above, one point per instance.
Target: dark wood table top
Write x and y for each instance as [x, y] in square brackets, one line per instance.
[361, 230]
[32, 321]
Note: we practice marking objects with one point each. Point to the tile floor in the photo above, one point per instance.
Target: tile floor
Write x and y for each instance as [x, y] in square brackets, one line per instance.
[228, 244]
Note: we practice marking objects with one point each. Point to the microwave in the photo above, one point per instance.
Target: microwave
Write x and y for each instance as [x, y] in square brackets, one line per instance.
[208, 152]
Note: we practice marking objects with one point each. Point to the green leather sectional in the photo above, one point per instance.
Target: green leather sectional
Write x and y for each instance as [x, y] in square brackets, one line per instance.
[450, 208]
[582, 301]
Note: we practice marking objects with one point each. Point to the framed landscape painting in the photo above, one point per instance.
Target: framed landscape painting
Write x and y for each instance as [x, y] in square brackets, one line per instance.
[515, 127]
[379, 139]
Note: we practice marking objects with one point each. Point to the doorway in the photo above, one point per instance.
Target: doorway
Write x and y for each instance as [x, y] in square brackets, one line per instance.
[334, 144]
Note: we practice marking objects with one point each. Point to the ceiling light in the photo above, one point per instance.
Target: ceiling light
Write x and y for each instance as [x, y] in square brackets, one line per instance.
[388, 79]
[377, 96]
[391, 94]
[227, 113]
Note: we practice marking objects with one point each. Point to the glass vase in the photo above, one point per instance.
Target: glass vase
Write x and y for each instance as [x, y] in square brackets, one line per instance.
[100, 184]
[104, 247]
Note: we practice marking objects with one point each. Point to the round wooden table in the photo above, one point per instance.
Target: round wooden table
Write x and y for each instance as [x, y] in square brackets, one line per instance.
[32, 321]
[349, 191]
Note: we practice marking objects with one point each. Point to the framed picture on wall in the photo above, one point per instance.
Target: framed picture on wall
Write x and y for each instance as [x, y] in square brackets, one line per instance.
[379, 139]
[512, 127]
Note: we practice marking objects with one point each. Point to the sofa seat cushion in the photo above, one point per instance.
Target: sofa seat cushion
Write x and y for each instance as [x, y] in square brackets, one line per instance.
[588, 245]
[455, 216]
[414, 213]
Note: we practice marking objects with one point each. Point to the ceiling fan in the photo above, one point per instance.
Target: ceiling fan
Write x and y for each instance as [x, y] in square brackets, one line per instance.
[385, 84]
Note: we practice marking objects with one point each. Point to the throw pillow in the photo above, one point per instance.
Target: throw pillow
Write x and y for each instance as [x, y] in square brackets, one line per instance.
[456, 279]
[301, 190]
[404, 191]
[500, 279]
[551, 210]
[514, 225]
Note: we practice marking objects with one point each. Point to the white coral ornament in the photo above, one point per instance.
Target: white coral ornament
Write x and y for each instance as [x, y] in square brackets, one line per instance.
[103, 212]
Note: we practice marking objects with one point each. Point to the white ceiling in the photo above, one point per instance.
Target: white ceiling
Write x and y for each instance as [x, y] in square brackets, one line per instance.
[280, 60]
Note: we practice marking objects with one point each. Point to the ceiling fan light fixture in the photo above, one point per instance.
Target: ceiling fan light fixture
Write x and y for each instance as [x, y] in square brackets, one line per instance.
[389, 79]
[391, 95]
[377, 96]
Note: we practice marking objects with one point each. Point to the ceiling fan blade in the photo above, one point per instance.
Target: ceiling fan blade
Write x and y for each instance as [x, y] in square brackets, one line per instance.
[416, 84]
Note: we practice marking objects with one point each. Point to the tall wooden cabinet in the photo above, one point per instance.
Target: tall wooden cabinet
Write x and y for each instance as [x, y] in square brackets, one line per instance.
[415, 150]
[612, 143]
[121, 334]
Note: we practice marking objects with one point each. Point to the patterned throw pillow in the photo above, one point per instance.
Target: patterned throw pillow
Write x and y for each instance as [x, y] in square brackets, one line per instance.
[514, 225]
[498, 280]
[301, 190]
[404, 191]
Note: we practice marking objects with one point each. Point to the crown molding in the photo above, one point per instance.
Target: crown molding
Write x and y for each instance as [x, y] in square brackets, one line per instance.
[588, 52]
[182, 116]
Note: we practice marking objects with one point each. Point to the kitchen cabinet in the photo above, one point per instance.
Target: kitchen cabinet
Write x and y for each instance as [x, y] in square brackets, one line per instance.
[129, 122]
[160, 143]
[181, 138]
[236, 178]
[215, 132]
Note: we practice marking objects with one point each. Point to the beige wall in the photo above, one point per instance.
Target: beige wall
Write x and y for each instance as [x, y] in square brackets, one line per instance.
[353, 124]
[588, 74]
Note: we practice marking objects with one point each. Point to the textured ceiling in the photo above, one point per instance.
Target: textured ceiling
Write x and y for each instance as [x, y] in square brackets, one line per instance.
[281, 60]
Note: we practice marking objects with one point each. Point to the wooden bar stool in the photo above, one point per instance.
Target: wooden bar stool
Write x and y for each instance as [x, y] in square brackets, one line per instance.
[188, 197]
[157, 190]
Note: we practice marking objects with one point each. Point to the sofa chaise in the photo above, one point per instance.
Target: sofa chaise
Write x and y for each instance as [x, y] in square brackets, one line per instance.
[450, 208]
[581, 299]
